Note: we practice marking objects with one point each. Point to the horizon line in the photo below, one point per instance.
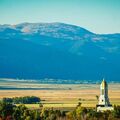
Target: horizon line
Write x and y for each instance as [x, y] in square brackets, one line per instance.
[57, 23]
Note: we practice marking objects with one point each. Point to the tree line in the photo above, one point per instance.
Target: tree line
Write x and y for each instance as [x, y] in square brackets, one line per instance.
[22, 100]
[9, 111]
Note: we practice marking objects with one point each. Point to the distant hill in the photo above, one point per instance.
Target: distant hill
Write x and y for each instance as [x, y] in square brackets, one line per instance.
[59, 51]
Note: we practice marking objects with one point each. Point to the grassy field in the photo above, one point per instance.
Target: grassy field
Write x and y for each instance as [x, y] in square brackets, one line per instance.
[63, 96]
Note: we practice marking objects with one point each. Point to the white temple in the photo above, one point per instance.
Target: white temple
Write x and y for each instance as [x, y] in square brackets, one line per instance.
[104, 103]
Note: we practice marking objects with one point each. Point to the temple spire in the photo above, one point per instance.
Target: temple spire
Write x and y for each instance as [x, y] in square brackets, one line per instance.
[103, 99]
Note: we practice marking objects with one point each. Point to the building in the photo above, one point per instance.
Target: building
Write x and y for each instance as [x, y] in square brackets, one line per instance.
[104, 103]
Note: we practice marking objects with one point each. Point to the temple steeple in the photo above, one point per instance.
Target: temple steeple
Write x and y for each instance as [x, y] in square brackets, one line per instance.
[104, 103]
[104, 100]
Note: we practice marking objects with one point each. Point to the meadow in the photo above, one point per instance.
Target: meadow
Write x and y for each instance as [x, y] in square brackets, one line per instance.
[59, 96]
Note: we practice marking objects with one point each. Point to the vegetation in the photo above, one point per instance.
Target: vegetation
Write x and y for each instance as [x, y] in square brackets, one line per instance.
[12, 112]
[82, 113]
[22, 100]
[9, 111]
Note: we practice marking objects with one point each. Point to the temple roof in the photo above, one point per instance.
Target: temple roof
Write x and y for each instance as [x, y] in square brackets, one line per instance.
[104, 83]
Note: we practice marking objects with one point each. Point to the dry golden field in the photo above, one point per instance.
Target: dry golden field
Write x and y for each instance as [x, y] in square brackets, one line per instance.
[67, 98]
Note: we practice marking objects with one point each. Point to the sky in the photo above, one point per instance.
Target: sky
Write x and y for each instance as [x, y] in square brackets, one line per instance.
[98, 16]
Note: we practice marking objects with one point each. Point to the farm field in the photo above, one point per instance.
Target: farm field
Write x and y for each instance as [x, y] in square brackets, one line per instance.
[65, 96]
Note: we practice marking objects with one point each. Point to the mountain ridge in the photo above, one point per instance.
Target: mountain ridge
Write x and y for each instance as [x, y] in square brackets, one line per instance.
[53, 23]
[57, 50]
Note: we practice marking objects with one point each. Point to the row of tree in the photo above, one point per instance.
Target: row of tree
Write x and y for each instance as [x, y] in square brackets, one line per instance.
[9, 111]
[22, 100]
[82, 113]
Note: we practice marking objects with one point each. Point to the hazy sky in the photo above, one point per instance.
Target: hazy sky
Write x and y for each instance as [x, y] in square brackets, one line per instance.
[99, 16]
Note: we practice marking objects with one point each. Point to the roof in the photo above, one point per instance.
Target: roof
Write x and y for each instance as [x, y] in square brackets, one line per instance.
[104, 83]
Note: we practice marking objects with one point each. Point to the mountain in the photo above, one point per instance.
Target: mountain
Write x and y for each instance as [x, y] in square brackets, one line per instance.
[59, 51]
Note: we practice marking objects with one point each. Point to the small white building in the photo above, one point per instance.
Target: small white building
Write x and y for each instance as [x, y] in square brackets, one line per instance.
[104, 103]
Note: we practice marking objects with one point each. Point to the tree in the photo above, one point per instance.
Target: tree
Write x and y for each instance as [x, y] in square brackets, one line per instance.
[36, 115]
[81, 113]
[116, 111]
[7, 100]
[28, 118]
[90, 113]
[22, 100]
[79, 104]
[97, 97]
[44, 114]
[71, 115]
[6, 109]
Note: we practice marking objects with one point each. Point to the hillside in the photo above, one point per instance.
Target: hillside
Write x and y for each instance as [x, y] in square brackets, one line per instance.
[59, 51]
